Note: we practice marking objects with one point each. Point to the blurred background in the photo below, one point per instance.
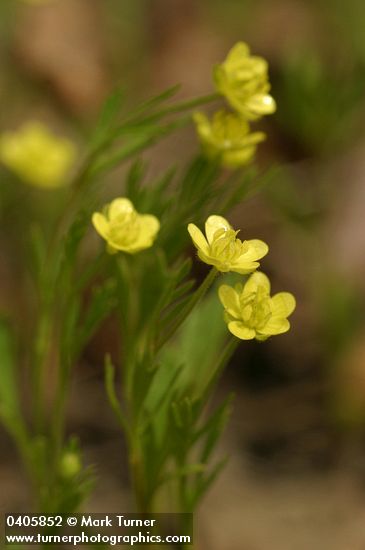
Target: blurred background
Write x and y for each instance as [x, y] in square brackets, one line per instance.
[296, 440]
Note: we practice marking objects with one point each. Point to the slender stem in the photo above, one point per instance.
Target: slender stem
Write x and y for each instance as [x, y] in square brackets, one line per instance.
[40, 351]
[136, 467]
[128, 277]
[113, 399]
[224, 357]
[196, 297]
[58, 419]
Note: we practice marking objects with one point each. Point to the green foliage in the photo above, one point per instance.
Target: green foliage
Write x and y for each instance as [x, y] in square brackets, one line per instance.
[170, 419]
[167, 370]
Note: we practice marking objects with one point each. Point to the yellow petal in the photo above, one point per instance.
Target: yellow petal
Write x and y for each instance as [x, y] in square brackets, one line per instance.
[235, 159]
[241, 331]
[254, 138]
[208, 259]
[283, 304]
[230, 300]
[276, 325]
[247, 263]
[120, 206]
[236, 55]
[198, 238]
[202, 124]
[244, 267]
[261, 104]
[256, 249]
[101, 224]
[257, 279]
[214, 223]
[150, 226]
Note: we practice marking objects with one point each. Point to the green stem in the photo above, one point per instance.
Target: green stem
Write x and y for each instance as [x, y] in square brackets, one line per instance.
[113, 399]
[41, 343]
[224, 357]
[128, 278]
[58, 420]
[186, 310]
[137, 476]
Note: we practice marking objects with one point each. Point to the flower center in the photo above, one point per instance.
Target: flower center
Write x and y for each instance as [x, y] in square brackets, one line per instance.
[226, 247]
[125, 228]
[255, 308]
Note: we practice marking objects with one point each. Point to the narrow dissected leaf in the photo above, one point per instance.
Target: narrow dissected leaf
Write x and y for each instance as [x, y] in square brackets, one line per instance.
[101, 304]
[182, 413]
[198, 177]
[206, 482]
[182, 290]
[182, 269]
[173, 315]
[144, 137]
[135, 176]
[156, 100]
[74, 237]
[158, 401]
[213, 428]
[111, 392]
[107, 117]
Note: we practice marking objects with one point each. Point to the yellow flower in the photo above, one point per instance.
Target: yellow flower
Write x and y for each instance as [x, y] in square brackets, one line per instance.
[125, 229]
[228, 138]
[222, 249]
[243, 80]
[251, 312]
[37, 156]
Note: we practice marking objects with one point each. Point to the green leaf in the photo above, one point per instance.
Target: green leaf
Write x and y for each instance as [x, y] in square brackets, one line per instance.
[112, 394]
[157, 404]
[134, 180]
[206, 482]
[101, 304]
[182, 290]
[191, 346]
[74, 236]
[107, 117]
[143, 137]
[157, 99]
[213, 428]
